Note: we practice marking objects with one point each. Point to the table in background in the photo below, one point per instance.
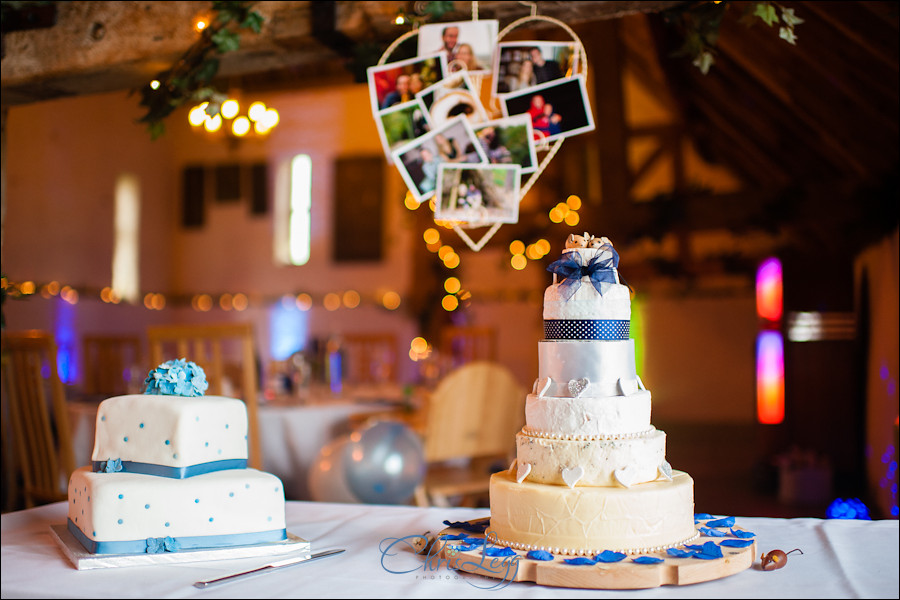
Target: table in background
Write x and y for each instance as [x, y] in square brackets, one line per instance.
[841, 559]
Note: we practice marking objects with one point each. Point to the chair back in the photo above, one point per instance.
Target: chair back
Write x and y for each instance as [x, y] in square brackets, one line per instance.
[35, 403]
[467, 344]
[475, 411]
[370, 357]
[110, 364]
[227, 353]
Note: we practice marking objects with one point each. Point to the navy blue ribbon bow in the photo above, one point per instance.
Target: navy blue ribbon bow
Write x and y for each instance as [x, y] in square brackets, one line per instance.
[571, 268]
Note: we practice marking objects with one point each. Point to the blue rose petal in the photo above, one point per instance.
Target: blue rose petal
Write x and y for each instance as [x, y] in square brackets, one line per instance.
[471, 526]
[740, 533]
[736, 543]
[708, 551]
[539, 555]
[580, 560]
[453, 536]
[647, 560]
[474, 540]
[497, 551]
[679, 553]
[724, 522]
[608, 556]
[702, 517]
[465, 547]
[712, 532]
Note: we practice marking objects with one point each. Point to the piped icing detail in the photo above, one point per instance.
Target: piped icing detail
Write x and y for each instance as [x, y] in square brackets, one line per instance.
[492, 537]
[529, 431]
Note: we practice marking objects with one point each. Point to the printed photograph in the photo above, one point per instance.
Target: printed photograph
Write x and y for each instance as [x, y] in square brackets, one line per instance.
[558, 109]
[399, 82]
[478, 194]
[400, 124]
[467, 45]
[509, 141]
[451, 97]
[521, 65]
[418, 161]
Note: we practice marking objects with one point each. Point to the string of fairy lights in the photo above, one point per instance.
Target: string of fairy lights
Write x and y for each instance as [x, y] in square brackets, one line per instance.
[455, 294]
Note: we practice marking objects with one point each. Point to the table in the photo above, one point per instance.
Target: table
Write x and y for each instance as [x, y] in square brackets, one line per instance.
[841, 559]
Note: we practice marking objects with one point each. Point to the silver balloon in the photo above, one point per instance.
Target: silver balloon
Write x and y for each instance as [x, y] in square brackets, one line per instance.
[386, 463]
[327, 478]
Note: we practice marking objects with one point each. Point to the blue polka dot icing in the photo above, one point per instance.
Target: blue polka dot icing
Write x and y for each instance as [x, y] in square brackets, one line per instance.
[231, 494]
[125, 438]
[121, 496]
[167, 523]
[141, 425]
[120, 521]
[210, 519]
[168, 442]
[146, 506]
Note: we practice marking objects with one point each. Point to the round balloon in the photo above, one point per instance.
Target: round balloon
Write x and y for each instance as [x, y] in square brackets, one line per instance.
[385, 464]
[327, 478]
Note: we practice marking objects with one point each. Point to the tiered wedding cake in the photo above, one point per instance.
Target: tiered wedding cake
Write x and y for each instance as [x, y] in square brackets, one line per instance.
[590, 473]
[170, 473]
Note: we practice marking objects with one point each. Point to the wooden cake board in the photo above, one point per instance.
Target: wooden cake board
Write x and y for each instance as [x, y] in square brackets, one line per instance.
[623, 575]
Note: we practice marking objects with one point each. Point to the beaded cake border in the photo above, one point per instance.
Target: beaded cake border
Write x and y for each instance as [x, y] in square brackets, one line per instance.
[490, 536]
[586, 437]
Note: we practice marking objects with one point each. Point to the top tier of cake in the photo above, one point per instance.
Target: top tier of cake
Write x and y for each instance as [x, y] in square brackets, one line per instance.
[170, 436]
[587, 300]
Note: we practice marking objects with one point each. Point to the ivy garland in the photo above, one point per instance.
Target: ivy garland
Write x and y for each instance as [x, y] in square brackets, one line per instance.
[698, 23]
[188, 80]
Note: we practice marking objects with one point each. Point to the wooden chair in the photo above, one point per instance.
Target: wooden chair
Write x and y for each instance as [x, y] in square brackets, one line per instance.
[38, 423]
[223, 351]
[466, 344]
[472, 419]
[110, 362]
[370, 358]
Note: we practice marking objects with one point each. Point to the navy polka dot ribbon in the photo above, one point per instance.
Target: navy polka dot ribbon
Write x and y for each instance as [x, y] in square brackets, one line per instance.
[577, 329]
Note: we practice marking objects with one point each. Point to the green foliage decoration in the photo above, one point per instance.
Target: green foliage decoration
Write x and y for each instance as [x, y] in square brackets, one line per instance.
[699, 22]
[189, 79]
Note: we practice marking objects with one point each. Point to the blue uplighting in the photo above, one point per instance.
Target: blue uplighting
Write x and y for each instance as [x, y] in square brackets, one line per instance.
[288, 328]
[851, 508]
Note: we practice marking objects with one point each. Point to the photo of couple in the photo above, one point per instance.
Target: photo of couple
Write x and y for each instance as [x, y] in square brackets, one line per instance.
[466, 45]
[478, 195]
[558, 109]
[522, 65]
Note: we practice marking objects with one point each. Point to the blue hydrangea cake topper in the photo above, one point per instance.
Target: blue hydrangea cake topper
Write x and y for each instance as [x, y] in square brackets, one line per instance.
[178, 377]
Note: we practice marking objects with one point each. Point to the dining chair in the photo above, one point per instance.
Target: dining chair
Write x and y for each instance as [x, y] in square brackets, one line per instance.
[227, 354]
[110, 363]
[370, 357]
[35, 417]
[472, 419]
[464, 344]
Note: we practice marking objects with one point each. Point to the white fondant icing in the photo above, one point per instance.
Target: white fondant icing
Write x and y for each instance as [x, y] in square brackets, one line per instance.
[598, 459]
[602, 363]
[172, 431]
[127, 506]
[586, 303]
[588, 415]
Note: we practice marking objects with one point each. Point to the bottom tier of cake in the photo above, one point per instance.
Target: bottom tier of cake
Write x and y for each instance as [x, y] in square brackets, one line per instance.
[588, 520]
[127, 513]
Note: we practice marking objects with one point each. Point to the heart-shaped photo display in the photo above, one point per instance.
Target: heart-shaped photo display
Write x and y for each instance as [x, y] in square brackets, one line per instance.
[465, 150]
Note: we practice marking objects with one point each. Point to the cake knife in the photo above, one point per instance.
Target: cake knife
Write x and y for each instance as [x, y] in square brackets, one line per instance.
[269, 567]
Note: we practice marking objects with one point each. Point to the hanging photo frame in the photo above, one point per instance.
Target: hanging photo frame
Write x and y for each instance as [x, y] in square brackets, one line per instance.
[563, 72]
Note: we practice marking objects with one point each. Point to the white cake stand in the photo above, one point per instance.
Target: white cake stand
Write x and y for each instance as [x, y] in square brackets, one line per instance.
[623, 575]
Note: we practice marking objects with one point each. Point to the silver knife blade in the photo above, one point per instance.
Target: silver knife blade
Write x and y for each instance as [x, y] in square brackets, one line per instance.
[269, 567]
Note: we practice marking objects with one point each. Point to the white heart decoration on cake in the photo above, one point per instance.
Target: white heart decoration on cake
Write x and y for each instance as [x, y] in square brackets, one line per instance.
[572, 475]
[665, 470]
[577, 386]
[522, 473]
[627, 387]
[541, 386]
[626, 476]
[640, 383]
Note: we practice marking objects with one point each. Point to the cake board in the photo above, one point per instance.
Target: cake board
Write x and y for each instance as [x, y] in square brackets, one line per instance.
[81, 559]
[623, 575]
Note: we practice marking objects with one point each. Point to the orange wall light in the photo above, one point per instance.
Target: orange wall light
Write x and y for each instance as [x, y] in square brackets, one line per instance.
[770, 377]
[769, 290]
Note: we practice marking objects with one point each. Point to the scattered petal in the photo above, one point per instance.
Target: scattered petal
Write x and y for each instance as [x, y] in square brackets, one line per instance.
[647, 560]
[712, 532]
[497, 551]
[736, 543]
[474, 540]
[608, 556]
[741, 533]
[679, 553]
[580, 560]
[477, 526]
[452, 537]
[465, 547]
[539, 555]
[702, 517]
[724, 522]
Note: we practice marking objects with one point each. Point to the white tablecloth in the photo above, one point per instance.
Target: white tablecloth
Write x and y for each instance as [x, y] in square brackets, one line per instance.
[841, 559]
